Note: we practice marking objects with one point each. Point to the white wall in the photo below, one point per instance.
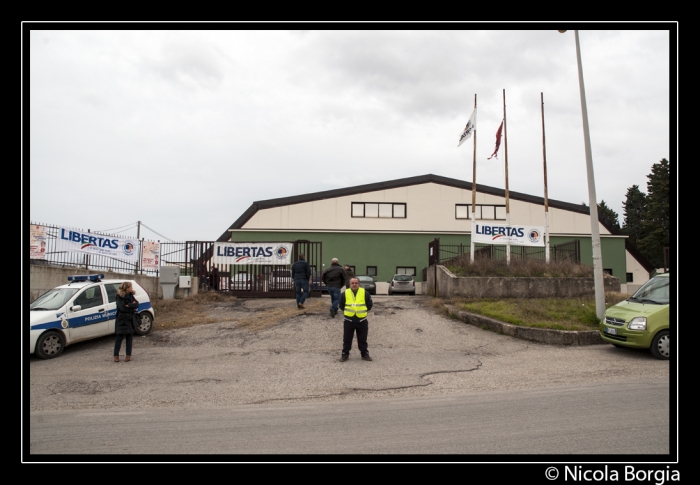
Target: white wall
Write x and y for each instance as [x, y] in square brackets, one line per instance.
[639, 274]
[430, 208]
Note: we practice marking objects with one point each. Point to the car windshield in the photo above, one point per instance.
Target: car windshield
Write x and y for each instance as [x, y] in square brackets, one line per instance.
[365, 279]
[53, 299]
[402, 277]
[653, 291]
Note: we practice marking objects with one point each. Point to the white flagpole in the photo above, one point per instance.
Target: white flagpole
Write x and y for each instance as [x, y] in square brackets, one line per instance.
[546, 199]
[471, 234]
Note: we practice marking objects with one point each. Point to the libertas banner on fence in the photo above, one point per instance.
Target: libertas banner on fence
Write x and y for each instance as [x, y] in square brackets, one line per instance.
[508, 234]
[73, 240]
[252, 253]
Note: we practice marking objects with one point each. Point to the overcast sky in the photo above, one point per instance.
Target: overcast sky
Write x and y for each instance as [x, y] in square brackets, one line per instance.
[184, 129]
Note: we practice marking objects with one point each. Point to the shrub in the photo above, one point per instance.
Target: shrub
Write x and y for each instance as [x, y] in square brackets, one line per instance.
[518, 268]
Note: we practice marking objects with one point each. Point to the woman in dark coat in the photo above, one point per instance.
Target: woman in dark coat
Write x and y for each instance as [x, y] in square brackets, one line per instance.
[124, 323]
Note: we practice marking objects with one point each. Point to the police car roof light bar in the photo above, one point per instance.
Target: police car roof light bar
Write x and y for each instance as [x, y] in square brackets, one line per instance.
[86, 277]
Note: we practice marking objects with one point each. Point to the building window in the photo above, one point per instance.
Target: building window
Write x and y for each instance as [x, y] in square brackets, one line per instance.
[372, 271]
[630, 278]
[607, 271]
[481, 212]
[406, 270]
[385, 210]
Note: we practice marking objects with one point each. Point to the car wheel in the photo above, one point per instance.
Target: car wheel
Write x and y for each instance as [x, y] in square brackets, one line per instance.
[145, 325]
[50, 345]
[413, 293]
[659, 346]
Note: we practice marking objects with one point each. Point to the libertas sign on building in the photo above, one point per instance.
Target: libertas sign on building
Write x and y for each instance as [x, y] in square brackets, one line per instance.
[508, 234]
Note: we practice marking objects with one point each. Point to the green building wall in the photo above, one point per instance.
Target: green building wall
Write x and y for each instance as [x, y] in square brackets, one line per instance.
[387, 251]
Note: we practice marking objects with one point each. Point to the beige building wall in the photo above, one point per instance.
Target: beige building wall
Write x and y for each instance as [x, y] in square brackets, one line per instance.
[430, 207]
[639, 274]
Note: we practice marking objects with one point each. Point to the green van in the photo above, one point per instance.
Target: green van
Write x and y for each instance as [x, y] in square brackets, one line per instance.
[641, 321]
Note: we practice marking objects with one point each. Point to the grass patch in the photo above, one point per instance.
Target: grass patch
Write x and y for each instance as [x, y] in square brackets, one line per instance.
[553, 313]
[186, 312]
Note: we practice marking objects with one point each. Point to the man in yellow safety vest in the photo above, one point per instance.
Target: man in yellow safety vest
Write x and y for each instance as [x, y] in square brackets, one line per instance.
[355, 303]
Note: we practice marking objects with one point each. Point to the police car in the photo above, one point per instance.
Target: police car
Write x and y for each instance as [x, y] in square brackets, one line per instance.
[83, 309]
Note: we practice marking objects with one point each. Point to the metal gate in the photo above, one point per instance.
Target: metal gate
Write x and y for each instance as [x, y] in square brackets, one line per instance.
[251, 280]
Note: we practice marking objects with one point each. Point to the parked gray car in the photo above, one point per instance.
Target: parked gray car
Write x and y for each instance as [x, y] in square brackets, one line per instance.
[367, 282]
[402, 283]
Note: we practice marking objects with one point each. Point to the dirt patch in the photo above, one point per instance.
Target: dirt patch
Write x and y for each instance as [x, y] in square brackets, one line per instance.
[252, 314]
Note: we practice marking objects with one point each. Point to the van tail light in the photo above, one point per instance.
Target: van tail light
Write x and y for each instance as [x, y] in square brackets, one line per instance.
[392, 282]
[413, 283]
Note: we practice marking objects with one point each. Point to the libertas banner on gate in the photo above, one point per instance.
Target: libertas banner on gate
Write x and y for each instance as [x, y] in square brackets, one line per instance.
[72, 240]
[252, 253]
[508, 234]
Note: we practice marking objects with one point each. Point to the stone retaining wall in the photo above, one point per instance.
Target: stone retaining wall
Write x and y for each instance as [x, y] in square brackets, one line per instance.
[542, 335]
[44, 278]
[449, 286]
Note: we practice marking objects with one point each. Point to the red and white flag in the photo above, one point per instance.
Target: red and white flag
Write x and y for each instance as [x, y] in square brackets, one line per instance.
[498, 142]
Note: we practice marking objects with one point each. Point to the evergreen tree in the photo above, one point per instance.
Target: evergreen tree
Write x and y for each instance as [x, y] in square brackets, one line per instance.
[634, 208]
[657, 217]
[609, 215]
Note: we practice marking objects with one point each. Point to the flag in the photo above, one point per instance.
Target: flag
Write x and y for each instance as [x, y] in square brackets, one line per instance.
[469, 129]
[498, 142]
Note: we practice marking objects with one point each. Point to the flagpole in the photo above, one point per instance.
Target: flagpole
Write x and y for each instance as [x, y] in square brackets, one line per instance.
[471, 235]
[505, 138]
[546, 199]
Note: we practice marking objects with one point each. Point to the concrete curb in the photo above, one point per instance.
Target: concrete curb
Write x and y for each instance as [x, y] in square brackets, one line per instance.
[542, 335]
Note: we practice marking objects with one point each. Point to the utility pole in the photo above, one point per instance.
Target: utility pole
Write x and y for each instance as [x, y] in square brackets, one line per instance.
[593, 205]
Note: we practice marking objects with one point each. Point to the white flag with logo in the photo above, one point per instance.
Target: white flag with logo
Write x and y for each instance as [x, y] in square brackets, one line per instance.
[469, 129]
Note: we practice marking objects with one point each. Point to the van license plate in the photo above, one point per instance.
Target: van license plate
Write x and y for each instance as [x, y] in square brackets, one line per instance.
[611, 331]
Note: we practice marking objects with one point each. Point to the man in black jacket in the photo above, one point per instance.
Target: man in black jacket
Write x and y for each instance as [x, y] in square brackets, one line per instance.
[301, 274]
[334, 278]
[349, 273]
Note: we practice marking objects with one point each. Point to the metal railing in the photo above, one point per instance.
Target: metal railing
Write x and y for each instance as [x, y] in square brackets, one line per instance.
[69, 259]
[193, 258]
[570, 251]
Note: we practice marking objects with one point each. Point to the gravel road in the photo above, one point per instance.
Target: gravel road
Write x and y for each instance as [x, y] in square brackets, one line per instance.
[416, 352]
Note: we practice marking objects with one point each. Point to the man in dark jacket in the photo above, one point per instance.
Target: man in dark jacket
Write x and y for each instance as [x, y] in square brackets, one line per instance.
[349, 273]
[301, 274]
[334, 278]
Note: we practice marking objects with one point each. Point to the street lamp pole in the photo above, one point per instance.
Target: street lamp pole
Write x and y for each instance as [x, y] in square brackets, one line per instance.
[593, 205]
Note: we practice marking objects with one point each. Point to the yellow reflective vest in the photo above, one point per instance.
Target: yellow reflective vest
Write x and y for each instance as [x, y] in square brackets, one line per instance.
[355, 305]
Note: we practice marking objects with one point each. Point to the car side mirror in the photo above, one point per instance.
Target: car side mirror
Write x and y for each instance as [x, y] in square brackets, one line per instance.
[76, 308]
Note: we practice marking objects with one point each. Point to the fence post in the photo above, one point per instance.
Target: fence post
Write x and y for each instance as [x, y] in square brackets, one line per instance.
[437, 261]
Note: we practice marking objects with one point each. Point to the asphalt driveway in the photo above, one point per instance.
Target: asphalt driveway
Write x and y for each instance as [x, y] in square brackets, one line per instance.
[416, 352]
